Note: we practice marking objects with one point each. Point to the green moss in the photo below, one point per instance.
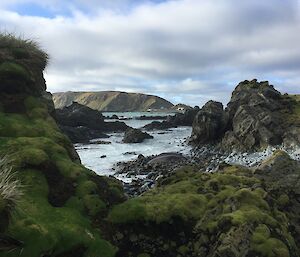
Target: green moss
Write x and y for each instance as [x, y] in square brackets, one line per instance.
[267, 246]
[94, 205]
[183, 249]
[33, 139]
[32, 156]
[75, 203]
[87, 187]
[130, 211]
[11, 70]
[283, 200]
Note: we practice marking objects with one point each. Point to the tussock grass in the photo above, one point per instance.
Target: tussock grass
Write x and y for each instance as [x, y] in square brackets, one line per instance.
[10, 186]
[22, 48]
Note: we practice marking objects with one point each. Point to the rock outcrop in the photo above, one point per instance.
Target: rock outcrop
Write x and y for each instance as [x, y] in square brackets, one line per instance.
[112, 101]
[209, 123]
[135, 136]
[179, 119]
[256, 116]
[82, 123]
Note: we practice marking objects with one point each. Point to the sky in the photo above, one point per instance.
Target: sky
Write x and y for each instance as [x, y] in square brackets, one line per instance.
[187, 51]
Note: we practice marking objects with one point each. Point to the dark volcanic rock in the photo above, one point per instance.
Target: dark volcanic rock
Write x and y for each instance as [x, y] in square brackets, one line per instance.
[157, 117]
[179, 119]
[82, 134]
[184, 119]
[77, 115]
[209, 123]
[157, 125]
[116, 126]
[256, 116]
[135, 136]
[167, 157]
[82, 123]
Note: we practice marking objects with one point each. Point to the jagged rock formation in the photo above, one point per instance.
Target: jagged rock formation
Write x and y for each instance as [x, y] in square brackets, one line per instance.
[82, 123]
[135, 136]
[112, 101]
[61, 199]
[234, 212]
[256, 116]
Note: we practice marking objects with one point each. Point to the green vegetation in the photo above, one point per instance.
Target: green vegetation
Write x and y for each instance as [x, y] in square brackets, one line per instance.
[53, 212]
[19, 48]
[10, 187]
[265, 245]
[35, 144]
[218, 204]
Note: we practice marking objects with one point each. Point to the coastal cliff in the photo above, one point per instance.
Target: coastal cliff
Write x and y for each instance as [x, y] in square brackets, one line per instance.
[112, 101]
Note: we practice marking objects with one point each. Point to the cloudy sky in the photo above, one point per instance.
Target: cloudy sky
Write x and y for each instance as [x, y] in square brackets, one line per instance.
[184, 50]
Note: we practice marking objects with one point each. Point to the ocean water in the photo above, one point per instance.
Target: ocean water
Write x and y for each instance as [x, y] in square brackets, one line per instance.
[172, 140]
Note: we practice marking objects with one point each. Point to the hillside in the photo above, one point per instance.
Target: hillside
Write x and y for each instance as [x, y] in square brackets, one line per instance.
[113, 101]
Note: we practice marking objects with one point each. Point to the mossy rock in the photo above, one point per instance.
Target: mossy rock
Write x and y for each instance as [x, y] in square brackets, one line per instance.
[39, 151]
[236, 211]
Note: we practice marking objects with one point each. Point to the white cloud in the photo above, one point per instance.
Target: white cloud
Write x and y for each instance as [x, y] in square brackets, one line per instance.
[184, 49]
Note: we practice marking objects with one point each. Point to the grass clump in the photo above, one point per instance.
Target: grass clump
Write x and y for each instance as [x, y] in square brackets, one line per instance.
[10, 187]
[21, 48]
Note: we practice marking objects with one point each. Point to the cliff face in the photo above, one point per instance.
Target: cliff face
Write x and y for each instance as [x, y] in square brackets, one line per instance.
[112, 101]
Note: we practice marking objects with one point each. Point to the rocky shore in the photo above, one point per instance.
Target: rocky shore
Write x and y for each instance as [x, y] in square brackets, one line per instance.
[235, 195]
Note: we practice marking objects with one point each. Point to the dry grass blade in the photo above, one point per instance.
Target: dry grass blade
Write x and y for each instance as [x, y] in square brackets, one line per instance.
[10, 186]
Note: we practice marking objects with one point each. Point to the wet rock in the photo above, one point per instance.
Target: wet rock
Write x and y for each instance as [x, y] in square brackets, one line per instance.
[209, 123]
[82, 123]
[135, 136]
[167, 157]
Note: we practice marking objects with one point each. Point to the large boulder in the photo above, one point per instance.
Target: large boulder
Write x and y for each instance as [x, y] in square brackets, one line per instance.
[209, 123]
[79, 115]
[135, 136]
[82, 123]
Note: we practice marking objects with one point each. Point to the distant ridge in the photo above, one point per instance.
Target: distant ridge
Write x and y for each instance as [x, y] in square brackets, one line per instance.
[112, 101]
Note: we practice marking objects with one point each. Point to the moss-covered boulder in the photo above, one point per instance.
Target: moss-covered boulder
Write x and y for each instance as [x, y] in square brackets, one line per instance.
[233, 212]
[63, 204]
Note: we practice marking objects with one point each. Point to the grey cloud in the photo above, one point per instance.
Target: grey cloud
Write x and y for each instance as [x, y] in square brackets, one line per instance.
[158, 48]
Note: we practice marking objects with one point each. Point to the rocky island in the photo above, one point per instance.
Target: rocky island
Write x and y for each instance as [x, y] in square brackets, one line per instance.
[53, 206]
